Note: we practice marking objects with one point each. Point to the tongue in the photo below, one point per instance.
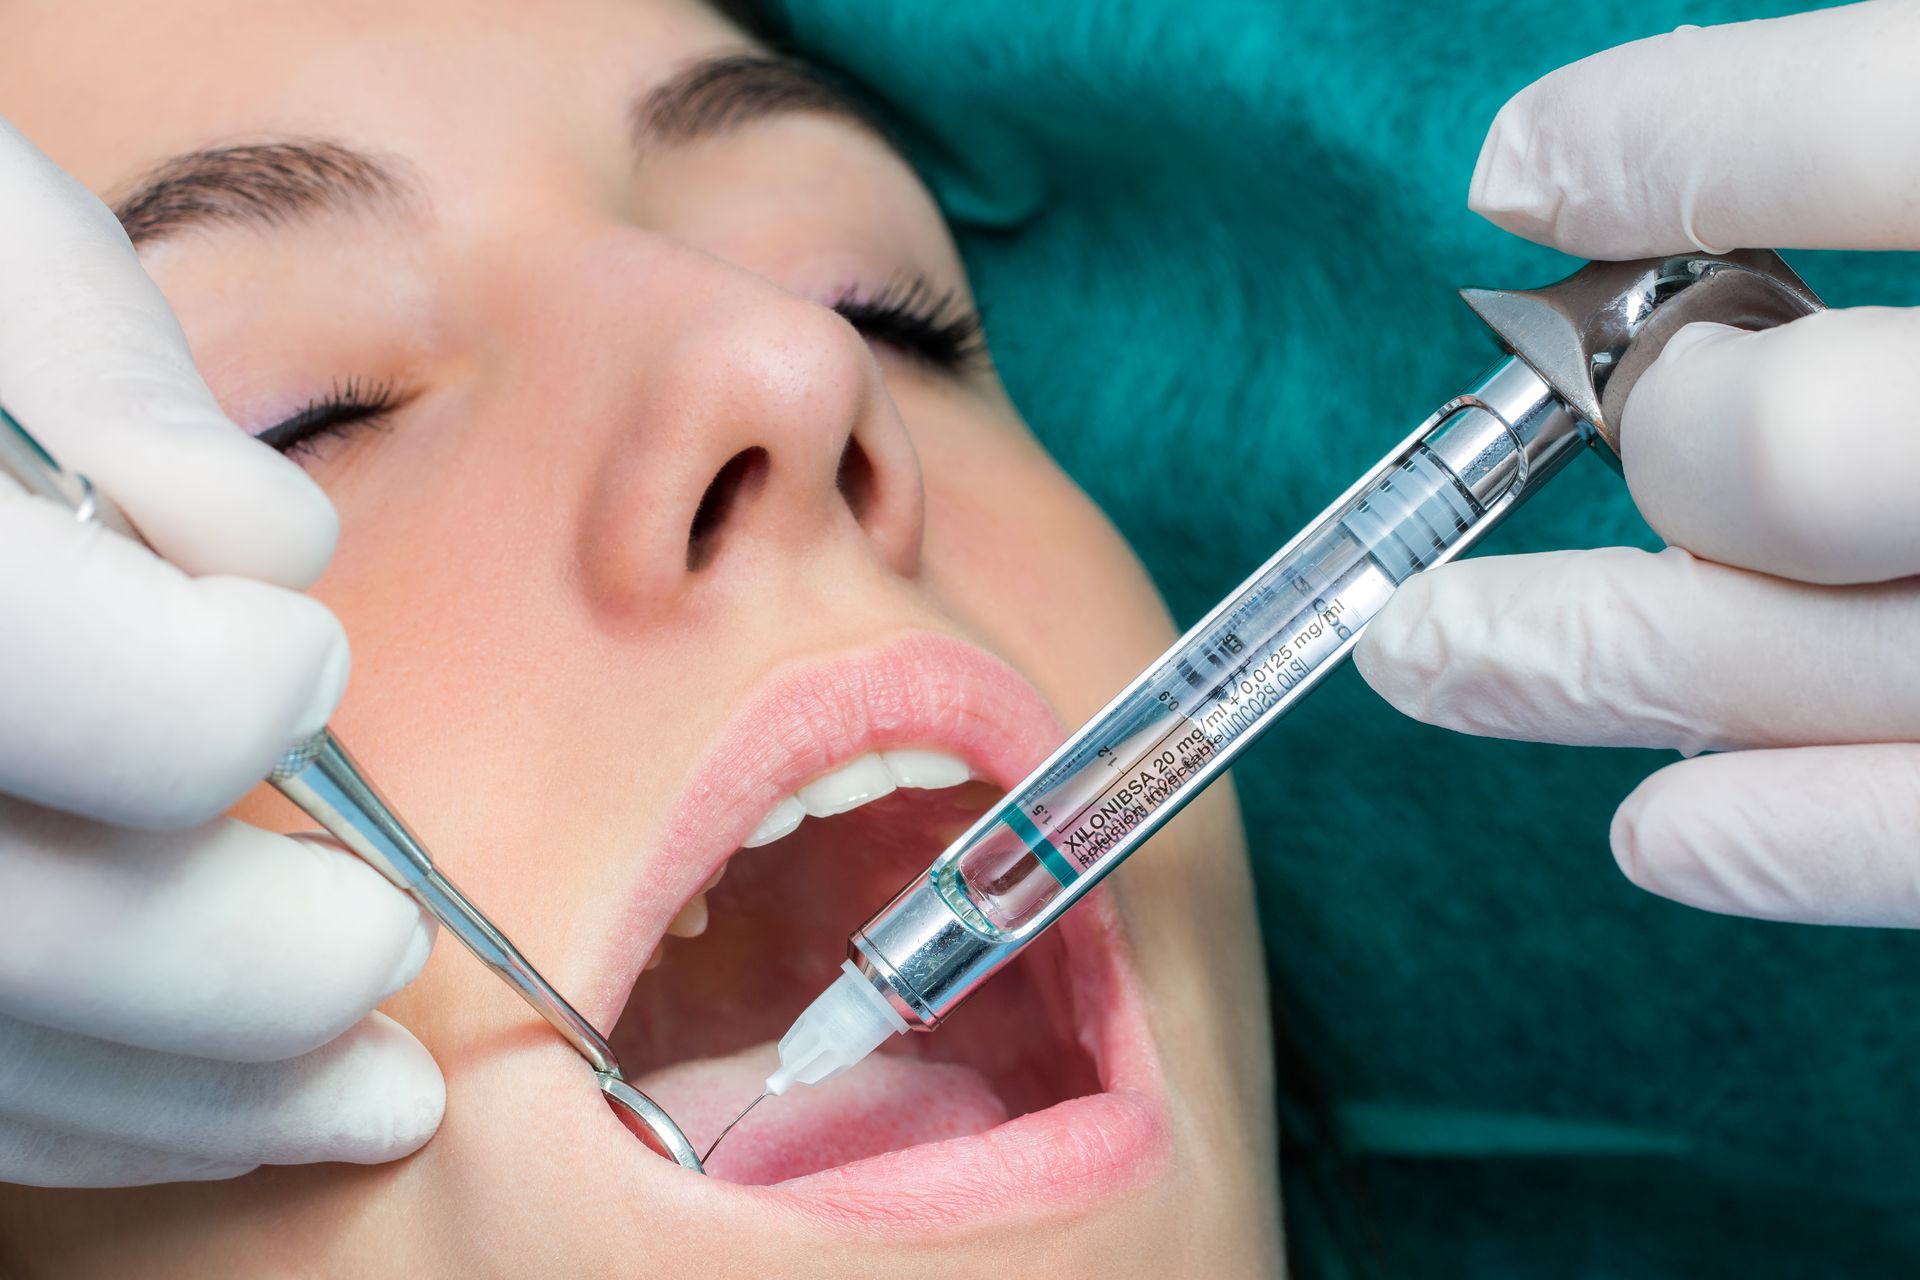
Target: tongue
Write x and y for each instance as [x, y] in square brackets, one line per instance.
[887, 1102]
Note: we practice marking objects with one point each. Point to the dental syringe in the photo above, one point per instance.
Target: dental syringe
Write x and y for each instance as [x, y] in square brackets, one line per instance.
[1577, 348]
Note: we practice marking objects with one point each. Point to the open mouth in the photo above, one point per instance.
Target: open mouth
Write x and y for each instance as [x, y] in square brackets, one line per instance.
[1047, 1072]
[698, 1032]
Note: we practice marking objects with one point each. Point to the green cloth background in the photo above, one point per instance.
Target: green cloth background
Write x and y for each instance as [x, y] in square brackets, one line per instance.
[1217, 244]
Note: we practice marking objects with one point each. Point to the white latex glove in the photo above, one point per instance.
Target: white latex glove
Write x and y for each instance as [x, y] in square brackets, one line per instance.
[1782, 627]
[181, 996]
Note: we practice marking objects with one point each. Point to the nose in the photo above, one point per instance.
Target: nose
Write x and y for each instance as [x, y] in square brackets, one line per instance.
[756, 428]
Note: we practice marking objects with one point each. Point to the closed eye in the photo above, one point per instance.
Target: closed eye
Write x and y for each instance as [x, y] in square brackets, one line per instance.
[911, 316]
[349, 405]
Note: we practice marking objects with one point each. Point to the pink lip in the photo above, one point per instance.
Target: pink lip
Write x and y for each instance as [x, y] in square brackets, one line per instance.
[921, 689]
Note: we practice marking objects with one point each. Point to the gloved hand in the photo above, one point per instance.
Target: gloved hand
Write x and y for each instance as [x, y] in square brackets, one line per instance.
[181, 996]
[1782, 627]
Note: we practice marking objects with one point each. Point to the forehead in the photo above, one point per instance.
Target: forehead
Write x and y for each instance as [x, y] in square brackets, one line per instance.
[111, 87]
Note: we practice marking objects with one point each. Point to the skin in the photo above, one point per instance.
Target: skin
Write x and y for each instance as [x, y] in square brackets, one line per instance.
[583, 342]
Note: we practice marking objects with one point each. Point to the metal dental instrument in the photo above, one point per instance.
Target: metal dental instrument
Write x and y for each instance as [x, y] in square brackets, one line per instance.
[321, 778]
[1577, 349]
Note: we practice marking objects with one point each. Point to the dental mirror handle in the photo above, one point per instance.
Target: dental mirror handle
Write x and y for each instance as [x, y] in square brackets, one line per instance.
[321, 778]
[35, 470]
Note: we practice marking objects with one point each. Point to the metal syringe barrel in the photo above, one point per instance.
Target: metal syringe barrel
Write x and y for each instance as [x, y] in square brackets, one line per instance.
[1505, 432]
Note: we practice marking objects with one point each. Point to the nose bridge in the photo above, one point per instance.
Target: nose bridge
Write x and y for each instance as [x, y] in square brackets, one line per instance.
[761, 367]
[745, 423]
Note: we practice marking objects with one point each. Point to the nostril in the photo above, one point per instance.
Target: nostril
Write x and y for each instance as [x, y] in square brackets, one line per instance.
[742, 474]
[855, 480]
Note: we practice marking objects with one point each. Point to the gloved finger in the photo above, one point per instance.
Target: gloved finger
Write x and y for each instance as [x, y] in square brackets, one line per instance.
[37, 1157]
[1771, 133]
[221, 942]
[1622, 648]
[1794, 451]
[1822, 835]
[93, 362]
[370, 1096]
[137, 695]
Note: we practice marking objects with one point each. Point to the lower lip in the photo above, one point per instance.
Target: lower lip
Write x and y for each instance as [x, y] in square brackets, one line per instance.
[1060, 1160]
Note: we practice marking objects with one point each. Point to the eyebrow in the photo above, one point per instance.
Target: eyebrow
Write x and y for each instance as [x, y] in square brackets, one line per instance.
[275, 184]
[720, 94]
[263, 184]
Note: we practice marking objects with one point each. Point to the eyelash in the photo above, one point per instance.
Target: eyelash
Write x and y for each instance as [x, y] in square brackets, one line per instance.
[908, 314]
[348, 405]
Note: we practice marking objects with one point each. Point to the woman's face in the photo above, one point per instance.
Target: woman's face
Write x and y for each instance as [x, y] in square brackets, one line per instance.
[640, 537]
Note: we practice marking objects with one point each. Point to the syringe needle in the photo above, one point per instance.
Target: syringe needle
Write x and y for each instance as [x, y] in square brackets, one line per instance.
[729, 1129]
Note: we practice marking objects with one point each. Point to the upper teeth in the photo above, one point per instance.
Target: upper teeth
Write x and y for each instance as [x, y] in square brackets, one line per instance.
[691, 921]
[856, 783]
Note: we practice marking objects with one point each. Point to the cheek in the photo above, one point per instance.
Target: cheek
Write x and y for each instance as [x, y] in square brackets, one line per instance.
[1017, 551]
